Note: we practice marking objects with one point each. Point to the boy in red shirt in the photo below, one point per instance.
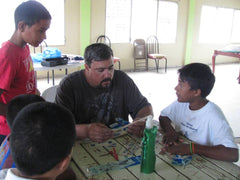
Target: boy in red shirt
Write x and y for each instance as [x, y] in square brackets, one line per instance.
[17, 76]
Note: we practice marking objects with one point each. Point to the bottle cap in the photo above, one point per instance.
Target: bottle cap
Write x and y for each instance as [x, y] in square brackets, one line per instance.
[149, 122]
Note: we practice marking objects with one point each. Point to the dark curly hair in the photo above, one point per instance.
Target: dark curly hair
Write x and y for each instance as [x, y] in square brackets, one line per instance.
[198, 76]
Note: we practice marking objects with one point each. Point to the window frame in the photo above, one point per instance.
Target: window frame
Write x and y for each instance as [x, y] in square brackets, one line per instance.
[211, 30]
[131, 22]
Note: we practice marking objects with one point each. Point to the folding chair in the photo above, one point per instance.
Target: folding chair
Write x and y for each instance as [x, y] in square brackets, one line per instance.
[139, 54]
[104, 39]
[153, 52]
[50, 93]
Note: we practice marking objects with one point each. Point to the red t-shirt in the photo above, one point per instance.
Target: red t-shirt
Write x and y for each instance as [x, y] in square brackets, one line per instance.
[16, 76]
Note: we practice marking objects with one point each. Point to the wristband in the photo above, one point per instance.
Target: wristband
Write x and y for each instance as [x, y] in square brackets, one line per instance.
[193, 148]
[190, 146]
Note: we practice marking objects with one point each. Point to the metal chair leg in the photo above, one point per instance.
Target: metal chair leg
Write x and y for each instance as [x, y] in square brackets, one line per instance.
[119, 65]
[147, 63]
[157, 64]
[48, 77]
[165, 65]
[53, 77]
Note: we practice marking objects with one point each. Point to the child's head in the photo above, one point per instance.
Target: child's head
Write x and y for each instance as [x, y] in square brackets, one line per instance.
[42, 137]
[198, 76]
[30, 12]
[32, 20]
[19, 102]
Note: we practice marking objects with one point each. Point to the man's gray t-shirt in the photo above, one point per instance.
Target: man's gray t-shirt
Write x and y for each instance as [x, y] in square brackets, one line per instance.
[104, 105]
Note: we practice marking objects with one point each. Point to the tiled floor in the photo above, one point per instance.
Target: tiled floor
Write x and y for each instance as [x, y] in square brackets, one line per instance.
[159, 89]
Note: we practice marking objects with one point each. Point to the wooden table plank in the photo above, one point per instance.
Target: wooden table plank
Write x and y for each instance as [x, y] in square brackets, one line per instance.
[84, 161]
[212, 170]
[189, 171]
[76, 170]
[136, 171]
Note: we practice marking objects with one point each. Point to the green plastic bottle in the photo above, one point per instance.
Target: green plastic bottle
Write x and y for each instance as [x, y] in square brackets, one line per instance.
[148, 157]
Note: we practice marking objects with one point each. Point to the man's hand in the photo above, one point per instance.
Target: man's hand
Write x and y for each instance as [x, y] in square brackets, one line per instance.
[136, 128]
[98, 132]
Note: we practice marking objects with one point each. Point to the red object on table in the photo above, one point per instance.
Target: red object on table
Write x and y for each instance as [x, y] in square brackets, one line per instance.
[224, 53]
[115, 153]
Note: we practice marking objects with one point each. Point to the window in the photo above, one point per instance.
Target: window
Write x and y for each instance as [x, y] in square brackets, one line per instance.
[167, 22]
[118, 20]
[219, 25]
[127, 20]
[55, 34]
[144, 18]
[235, 38]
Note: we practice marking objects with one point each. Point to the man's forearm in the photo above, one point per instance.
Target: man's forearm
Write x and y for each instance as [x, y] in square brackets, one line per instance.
[145, 111]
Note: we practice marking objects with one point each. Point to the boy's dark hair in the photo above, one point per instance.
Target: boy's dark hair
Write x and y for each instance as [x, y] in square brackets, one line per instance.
[42, 135]
[97, 52]
[30, 12]
[198, 76]
[19, 102]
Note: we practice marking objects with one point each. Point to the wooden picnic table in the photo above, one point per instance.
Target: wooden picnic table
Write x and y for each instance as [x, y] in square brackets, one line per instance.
[86, 155]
